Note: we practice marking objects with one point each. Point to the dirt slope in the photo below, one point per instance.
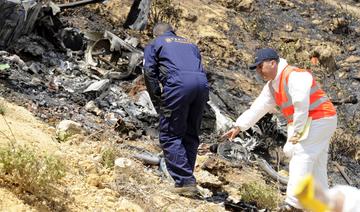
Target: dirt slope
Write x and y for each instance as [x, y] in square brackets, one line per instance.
[40, 136]
[88, 185]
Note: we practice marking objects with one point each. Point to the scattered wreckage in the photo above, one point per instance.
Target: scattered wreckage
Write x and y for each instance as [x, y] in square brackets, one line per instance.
[21, 17]
[110, 55]
[248, 147]
[119, 57]
[88, 66]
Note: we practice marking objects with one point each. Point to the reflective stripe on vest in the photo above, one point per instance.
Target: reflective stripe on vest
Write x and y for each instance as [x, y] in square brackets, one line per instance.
[284, 100]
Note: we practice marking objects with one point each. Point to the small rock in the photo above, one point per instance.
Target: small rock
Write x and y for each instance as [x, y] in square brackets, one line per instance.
[234, 193]
[317, 22]
[191, 17]
[121, 163]
[289, 28]
[35, 81]
[357, 76]
[110, 118]
[245, 5]
[283, 173]
[34, 68]
[134, 134]
[88, 166]
[126, 205]
[357, 30]
[3, 53]
[16, 59]
[351, 48]
[342, 74]
[66, 129]
[94, 180]
[206, 179]
[91, 107]
[287, 4]
[353, 59]
[326, 57]
[123, 127]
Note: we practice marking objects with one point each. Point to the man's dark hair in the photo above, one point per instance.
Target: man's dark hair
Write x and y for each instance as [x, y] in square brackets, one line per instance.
[161, 28]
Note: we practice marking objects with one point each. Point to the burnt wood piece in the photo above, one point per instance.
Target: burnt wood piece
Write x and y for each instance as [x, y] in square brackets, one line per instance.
[138, 16]
[16, 20]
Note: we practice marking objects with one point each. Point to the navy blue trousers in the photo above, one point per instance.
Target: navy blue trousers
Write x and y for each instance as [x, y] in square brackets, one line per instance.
[183, 101]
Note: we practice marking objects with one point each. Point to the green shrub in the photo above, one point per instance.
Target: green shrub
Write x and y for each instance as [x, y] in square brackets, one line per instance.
[264, 195]
[31, 172]
[108, 157]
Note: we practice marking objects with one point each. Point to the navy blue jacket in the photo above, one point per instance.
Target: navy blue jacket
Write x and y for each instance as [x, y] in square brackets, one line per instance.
[168, 55]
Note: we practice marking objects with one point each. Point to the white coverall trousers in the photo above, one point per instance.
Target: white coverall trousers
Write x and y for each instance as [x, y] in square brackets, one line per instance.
[309, 156]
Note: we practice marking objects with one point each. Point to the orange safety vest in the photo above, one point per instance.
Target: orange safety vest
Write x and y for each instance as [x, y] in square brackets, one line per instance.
[320, 105]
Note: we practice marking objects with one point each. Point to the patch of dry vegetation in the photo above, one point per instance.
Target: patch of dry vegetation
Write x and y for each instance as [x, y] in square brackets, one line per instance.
[212, 49]
[108, 156]
[32, 172]
[264, 195]
[344, 144]
[346, 141]
[28, 170]
[164, 11]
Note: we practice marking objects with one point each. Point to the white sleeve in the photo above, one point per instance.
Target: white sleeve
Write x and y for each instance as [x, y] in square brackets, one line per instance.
[262, 105]
[299, 89]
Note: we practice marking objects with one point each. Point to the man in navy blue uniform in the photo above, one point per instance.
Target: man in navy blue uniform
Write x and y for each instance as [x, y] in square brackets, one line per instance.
[175, 63]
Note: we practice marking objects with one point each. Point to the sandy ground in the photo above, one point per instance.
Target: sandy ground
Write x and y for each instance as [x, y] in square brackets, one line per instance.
[88, 185]
[82, 187]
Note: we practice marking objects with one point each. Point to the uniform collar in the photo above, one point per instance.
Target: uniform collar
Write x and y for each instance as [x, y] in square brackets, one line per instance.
[281, 66]
[168, 33]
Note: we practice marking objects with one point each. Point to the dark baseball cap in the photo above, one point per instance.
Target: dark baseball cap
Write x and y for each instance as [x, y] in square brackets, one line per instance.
[262, 55]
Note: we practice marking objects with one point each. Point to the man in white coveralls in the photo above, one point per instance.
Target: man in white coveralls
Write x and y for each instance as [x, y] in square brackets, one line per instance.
[311, 118]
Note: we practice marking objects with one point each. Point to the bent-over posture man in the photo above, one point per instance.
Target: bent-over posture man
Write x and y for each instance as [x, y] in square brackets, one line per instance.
[301, 101]
[175, 63]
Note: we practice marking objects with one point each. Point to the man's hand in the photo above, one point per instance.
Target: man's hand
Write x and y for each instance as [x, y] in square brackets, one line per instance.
[232, 133]
[295, 138]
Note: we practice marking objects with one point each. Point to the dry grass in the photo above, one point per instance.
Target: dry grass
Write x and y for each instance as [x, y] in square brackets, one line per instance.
[32, 172]
[344, 144]
[24, 167]
[164, 11]
[264, 195]
[108, 157]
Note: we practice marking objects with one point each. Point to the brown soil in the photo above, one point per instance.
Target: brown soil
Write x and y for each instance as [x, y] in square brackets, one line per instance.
[88, 185]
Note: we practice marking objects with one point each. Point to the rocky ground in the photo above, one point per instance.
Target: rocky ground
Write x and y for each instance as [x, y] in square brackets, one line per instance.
[48, 83]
